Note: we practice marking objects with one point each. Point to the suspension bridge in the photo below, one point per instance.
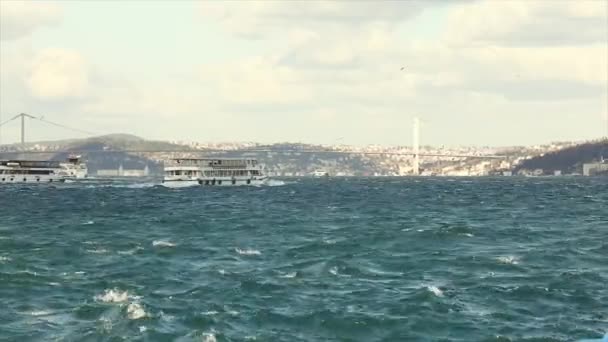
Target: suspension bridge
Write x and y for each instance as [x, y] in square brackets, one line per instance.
[415, 153]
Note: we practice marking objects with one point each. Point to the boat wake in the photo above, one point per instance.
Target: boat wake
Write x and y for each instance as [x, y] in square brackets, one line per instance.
[275, 182]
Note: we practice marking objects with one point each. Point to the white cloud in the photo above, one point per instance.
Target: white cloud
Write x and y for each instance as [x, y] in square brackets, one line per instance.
[57, 74]
[333, 68]
[258, 18]
[21, 18]
[255, 80]
[526, 23]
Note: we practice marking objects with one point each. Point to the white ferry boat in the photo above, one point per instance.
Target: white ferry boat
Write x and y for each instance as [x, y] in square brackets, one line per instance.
[46, 171]
[320, 173]
[213, 172]
[75, 168]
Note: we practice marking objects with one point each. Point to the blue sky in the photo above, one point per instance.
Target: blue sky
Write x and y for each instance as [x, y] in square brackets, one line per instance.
[476, 72]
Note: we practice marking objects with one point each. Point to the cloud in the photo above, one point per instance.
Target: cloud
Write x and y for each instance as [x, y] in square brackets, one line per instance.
[335, 68]
[21, 18]
[57, 74]
[258, 18]
[529, 23]
[254, 81]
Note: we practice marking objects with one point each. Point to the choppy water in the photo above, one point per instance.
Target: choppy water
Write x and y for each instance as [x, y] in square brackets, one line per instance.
[312, 260]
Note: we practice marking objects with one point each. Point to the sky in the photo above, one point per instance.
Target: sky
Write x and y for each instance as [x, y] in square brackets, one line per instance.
[485, 73]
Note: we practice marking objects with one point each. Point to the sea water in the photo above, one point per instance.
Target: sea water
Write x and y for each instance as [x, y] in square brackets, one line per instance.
[353, 259]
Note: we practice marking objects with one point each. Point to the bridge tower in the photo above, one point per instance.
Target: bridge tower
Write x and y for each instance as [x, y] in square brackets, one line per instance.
[416, 146]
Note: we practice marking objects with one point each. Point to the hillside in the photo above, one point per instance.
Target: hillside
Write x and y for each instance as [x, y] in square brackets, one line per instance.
[90, 149]
[280, 159]
[567, 160]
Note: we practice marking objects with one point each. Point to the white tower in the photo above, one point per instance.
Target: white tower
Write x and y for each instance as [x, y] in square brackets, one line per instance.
[416, 145]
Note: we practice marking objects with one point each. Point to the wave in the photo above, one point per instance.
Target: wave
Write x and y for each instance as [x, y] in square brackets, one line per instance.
[122, 185]
[209, 337]
[136, 311]
[334, 270]
[131, 251]
[162, 243]
[509, 260]
[40, 313]
[247, 251]
[275, 182]
[289, 275]
[435, 290]
[210, 313]
[97, 251]
[113, 296]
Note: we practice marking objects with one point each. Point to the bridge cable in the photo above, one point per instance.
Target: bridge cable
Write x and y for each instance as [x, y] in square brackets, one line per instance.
[65, 127]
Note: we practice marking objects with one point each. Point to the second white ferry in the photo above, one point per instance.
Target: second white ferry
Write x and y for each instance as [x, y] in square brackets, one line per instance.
[320, 173]
[213, 172]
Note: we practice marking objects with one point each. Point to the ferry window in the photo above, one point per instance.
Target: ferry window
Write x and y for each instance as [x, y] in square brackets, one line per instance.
[219, 182]
[233, 181]
[3, 179]
[24, 179]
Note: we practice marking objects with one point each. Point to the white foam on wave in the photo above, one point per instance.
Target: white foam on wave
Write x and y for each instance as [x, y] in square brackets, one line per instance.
[162, 243]
[4, 259]
[106, 324]
[435, 290]
[40, 313]
[509, 260]
[247, 251]
[97, 251]
[334, 271]
[142, 328]
[210, 313]
[209, 337]
[131, 251]
[141, 185]
[468, 234]
[113, 296]
[275, 182]
[289, 275]
[88, 223]
[136, 311]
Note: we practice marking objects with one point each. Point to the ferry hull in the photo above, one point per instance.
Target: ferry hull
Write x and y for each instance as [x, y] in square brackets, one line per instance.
[214, 182]
[30, 179]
